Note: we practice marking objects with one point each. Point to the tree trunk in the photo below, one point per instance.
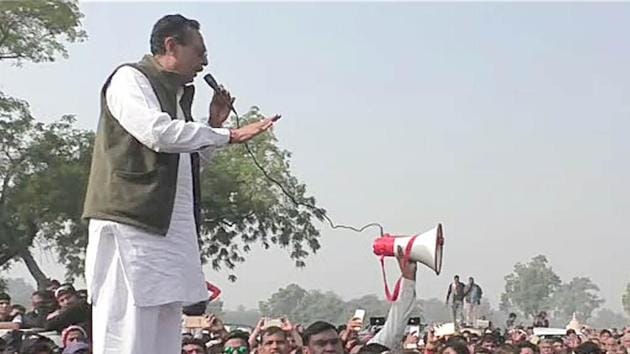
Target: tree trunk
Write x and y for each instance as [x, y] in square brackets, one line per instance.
[37, 273]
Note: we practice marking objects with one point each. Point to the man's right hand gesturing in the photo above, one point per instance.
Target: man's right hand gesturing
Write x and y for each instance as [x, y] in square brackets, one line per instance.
[247, 132]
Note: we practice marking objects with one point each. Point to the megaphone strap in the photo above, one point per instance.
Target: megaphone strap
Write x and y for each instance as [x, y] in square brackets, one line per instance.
[393, 297]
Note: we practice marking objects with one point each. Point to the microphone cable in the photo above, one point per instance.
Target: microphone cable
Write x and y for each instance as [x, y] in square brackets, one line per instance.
[215, 86]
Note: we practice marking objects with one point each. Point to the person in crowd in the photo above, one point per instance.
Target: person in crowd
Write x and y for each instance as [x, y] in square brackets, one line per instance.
[273, 341]
[43, 303]
[73, 334]
[558, 346]
[541, 320]
[472, 301]
[609, 345]
[236, 342]
[604, 334]
[588, 348]
[8, 319]
[77, 348]
[506, 348]
[546, 346]
[72, 310]
[454, 347]
[456, 293]
[489, 342]
[527, 348]
[400, 311]
[193, 346]
[53, 284]
[511, 321]
[322, 338]
[38, 344]
[625, 340]
[572, 341]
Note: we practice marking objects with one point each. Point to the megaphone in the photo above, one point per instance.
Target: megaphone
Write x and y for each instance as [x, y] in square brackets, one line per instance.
[425, 248]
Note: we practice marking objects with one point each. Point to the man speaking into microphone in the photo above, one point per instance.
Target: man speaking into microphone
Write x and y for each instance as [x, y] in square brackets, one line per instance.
[142, 200]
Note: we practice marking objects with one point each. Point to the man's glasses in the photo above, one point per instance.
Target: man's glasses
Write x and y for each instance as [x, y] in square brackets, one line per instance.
[239, 350]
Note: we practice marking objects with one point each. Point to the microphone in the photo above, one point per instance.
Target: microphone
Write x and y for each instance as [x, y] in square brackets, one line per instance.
[215, 86]
[212, 82]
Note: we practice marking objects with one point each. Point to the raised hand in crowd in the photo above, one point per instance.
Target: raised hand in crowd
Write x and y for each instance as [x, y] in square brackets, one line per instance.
[215, 327]
[253, 337]
[411, 342]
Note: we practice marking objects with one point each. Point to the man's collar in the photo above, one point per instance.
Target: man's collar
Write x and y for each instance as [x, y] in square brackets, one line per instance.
[172, 79]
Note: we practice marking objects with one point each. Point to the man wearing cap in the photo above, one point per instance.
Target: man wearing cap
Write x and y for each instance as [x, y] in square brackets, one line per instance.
[72, 310]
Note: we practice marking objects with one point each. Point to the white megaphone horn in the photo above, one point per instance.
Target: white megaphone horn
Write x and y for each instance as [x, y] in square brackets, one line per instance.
[425, 248]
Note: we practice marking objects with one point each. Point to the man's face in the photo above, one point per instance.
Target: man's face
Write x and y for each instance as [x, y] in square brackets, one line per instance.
[546, 348]
[626, 340]
[558, 348]
[490, 345]
[572, 341]
[604, 336]
[610, 345]
[471, 281]
[75, 336]
[274, 344]
[192, 349]
[235, 346]
[190, 58]
[66, 300]
[5, 308]
[526, 350]
[325, 342]
[456, 280]
[37, 301]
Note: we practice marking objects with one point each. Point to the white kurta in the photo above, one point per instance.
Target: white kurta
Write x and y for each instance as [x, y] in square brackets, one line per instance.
[156, 270]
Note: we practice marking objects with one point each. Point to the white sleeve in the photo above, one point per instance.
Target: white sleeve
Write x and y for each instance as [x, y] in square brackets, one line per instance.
[397, 318]
[132, 101]
[17, 319]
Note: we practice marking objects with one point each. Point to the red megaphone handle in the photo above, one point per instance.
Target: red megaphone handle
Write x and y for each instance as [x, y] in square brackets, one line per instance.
[393, 297]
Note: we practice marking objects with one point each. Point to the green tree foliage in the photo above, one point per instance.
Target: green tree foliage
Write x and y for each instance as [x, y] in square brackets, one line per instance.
[606, 318]
[306, 306]
[242, 207]
[530, 287]
[625, 300]
[43, 168]
[36, 30]
[579, 296]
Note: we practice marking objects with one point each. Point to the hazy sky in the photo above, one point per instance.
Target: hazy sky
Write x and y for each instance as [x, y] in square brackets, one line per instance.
[507, 122]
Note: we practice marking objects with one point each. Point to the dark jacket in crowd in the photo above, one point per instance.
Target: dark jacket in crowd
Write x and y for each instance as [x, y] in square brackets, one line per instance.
[79, 314]
[458, 294]
[36, 318]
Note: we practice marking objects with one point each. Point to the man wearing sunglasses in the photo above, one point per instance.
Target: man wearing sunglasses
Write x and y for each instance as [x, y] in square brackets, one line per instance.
[236, 343]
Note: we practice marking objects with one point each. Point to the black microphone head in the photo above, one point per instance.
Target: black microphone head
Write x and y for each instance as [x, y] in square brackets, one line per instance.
[211, 81]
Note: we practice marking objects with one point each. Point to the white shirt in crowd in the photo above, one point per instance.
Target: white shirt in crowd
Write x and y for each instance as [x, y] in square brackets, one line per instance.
[157, 269]
[394, 329]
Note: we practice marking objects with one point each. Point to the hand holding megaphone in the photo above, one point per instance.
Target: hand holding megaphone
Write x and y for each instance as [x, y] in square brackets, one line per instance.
[408, 267]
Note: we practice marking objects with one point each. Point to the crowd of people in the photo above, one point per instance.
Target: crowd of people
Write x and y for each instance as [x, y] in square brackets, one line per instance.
[60, 322]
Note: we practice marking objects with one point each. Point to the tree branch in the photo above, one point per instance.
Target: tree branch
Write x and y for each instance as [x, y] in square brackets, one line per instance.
[34, 268]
